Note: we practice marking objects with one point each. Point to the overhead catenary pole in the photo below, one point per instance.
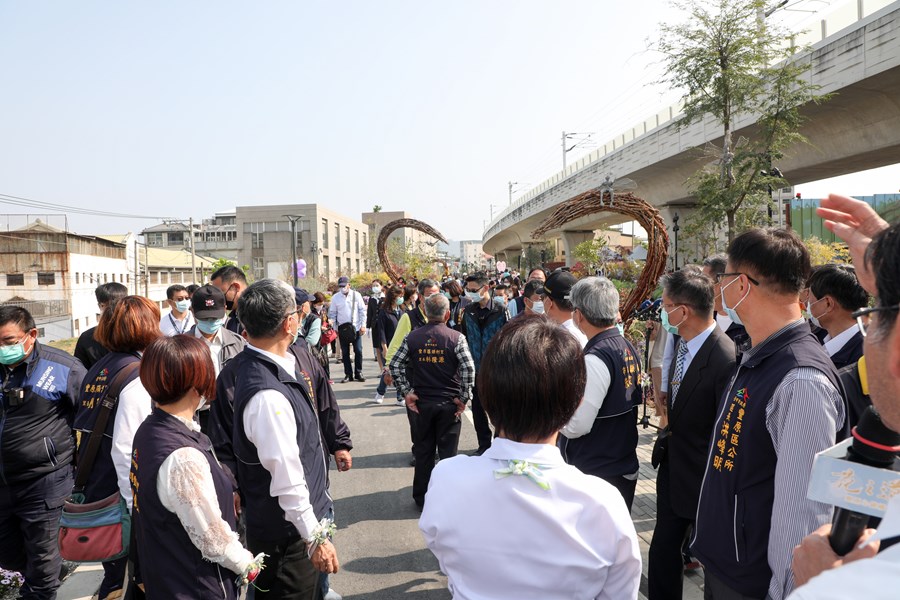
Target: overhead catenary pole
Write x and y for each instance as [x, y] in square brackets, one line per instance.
[137, 270]
[293, 219]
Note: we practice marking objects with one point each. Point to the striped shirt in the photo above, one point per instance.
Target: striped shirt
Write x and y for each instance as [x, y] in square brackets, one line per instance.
[802, 417]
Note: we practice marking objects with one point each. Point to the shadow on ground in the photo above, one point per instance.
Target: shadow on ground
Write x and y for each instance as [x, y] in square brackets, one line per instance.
[416, 561]
[397, 591]
[394, 505]
[392, 460]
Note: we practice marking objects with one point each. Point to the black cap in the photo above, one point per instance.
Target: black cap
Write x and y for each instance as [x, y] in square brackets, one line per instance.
[344, 280]
[208, 302]
[303, 296]
[558, 285]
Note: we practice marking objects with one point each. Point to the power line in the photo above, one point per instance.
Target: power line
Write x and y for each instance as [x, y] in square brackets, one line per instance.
[27, 202]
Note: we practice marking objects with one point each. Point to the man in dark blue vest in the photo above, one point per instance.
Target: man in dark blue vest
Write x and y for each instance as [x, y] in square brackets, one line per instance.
[783, 405]
[601, 439]
[704, 361]
[834, 293]
[40, 386]
[441, 374]
[278, 449]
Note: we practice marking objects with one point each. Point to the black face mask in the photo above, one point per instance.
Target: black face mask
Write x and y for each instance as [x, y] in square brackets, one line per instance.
[229, 304]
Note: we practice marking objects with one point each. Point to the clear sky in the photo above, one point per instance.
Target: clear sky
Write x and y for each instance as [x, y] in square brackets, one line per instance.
[184, 109]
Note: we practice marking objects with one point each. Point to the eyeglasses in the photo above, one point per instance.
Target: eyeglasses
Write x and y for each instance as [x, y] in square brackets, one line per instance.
[861, 315]
[294, 312]
[719, 277]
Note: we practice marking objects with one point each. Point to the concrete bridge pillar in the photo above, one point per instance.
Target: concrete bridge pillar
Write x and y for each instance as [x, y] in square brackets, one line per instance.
[570, 239]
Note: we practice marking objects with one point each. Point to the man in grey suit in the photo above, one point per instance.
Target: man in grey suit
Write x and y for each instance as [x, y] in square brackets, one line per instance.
[701, 369]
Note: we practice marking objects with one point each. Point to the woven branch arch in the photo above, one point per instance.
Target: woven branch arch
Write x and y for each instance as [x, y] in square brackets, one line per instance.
[625, 203]
[390, 228]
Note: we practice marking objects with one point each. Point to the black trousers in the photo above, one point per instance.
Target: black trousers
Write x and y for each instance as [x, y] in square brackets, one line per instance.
[625, 486]
[480, 420]
[29, 527]
[666, 569]
[716, 589]
[288, 574]
[357, 356]
[437, 427]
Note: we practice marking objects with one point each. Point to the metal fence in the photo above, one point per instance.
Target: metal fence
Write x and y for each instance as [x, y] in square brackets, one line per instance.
[42, 308]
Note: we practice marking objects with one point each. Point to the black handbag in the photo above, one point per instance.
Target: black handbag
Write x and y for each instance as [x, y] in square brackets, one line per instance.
[346, 331]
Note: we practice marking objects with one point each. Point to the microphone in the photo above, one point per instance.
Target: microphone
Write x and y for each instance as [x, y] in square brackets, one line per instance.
[644, 306]
[873, 445]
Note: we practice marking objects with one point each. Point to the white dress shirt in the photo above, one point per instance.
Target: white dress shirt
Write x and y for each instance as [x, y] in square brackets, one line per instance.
[342, 306]
[215, 347]
[598, 380]
[170, 326]
[134, 406]
[668, 357]
[834, 344]
[571, 328]
[573, 541]
[270, 425]
[185, 487]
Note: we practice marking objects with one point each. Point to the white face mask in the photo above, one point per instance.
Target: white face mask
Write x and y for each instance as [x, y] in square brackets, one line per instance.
[732, 311]
[202, 403]
[812, 319]
[345, 289]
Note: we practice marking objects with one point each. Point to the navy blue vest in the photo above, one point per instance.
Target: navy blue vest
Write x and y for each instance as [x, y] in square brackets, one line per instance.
[171, 565]
[850, 353]
[433, 364]
[102, 482]
[265, 518]
[416, 318]
[610, 448]
[731, 536]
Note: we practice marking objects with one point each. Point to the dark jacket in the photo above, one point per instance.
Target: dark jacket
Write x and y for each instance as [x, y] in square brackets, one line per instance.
[693, 417]
[609, 449]
[88, 350]
[36, 431]
[335, 433]
[456, 313]
[103, 481]
[480, 325]
[731, 535]
[265, 518]
[857, 400]
[171, 565]
[387, 325]
[850, 353]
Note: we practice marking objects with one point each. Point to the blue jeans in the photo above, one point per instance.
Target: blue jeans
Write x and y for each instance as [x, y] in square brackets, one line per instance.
[382, 386]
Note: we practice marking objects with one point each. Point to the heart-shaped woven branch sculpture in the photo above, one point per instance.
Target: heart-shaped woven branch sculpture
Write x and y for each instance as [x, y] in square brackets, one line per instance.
[625, 203]
[390, 228]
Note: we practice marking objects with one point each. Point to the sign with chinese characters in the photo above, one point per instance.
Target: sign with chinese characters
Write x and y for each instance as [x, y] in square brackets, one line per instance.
[850, 485]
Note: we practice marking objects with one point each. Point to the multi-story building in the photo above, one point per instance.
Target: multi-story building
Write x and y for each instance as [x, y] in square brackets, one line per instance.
[53, 273]
[410, 239]
[472, 255]
[330, 243]
[215, 237]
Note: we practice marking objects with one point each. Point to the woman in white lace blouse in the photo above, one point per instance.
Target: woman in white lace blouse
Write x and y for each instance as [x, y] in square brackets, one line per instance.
[538, 528]
[184, 515]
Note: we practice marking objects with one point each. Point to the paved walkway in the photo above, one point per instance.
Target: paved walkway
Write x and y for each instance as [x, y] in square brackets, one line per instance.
[381, 550]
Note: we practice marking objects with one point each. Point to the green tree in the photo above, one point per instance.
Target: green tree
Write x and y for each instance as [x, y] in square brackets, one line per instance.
[730, 62]
[590, 254]
[224, 262]
[376, 208]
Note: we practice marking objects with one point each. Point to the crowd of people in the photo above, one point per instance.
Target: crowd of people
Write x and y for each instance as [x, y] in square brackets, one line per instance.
[218, 424]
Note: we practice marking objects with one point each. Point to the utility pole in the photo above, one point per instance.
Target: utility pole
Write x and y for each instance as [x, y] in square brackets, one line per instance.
[570, 136]
[146, 272]
[193, 254]
[137, 270]
[293, 219]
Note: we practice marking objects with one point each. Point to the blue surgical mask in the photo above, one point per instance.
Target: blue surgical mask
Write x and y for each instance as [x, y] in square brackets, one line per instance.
[183, 306]
[500, 301]
[210, 326]
[621, 329]
[732, 312]
[376, 289]
[664, 318]
[446, 295]
[10, 355]
[538, 307]
[398, 300]
[473, 296]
